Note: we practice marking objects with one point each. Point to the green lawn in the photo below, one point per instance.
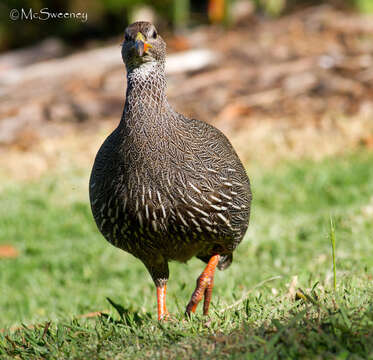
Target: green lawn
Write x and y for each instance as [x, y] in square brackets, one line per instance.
[66, 269]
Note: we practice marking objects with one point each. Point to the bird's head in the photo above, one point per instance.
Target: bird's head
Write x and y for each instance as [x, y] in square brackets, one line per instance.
[142, 44]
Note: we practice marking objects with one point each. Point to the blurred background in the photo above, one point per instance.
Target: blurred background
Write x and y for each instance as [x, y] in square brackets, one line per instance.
[288, 81]
[249, 67]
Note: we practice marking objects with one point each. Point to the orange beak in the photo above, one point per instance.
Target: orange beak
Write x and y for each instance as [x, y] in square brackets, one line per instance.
[141, 45]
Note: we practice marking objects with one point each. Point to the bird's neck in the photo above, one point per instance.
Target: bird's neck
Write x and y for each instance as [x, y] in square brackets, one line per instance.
[146, 92]
[147, 116]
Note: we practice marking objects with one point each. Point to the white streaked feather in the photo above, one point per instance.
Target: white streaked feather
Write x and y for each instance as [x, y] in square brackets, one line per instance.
[225, 195]
[159, 197]
[143, 196]
[215, 207]
[207, 221]
[182, 219]
[182, 181]
[200, 211]
[193, 200]
[195, 222]
[163, 211]
[206, 200]
[194, 188]
[212, 170]
[221, 216]
[140, 218]
[190, 214]
[215, 198]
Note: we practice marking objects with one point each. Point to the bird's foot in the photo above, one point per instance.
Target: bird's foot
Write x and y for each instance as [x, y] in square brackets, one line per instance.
[203, 289]
[205, 284]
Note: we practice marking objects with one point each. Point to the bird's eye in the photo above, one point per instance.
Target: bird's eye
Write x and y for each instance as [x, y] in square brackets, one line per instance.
[154, 35]
[127, 37]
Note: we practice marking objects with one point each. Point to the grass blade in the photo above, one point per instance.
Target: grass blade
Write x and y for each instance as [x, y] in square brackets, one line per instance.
[332, 239]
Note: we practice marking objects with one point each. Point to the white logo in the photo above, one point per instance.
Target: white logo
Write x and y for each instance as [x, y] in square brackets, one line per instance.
[45, 14]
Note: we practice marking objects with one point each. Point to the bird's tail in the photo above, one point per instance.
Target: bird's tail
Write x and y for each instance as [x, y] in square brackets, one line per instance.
[225, 261]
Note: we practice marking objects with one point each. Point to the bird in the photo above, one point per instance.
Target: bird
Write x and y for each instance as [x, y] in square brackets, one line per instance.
[165, 187]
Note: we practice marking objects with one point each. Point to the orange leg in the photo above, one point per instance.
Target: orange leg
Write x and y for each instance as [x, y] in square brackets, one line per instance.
[205, 283]
[161, 299]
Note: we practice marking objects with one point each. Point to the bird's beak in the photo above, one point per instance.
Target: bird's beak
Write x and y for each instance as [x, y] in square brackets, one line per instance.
[141, 45]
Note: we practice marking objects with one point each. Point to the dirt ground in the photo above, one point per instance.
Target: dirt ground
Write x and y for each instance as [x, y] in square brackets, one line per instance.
[298, 86]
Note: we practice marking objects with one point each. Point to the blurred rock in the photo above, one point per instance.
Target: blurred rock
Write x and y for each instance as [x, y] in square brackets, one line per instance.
[241, 10]
[47, 49]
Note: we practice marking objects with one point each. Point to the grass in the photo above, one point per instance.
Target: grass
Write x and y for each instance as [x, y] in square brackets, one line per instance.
[66, 269]
[332, 240]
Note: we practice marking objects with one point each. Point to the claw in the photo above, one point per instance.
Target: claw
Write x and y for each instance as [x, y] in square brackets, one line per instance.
[205, 284]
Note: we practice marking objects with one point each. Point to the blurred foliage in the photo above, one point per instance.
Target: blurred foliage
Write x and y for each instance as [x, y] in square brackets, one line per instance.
[271, 7]
[277, 7]
[108, 18]
[364, 6]
[105, 18]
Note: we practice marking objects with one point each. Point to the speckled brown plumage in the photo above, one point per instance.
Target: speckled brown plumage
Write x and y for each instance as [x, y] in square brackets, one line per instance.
[164, 187]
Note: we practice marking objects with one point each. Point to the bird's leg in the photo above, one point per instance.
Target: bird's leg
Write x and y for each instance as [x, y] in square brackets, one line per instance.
[205, 283]
[159, 272]
[161, 300]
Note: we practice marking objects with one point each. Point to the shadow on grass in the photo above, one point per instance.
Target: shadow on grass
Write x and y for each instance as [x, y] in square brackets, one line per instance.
[309, 332]
[127, 316]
